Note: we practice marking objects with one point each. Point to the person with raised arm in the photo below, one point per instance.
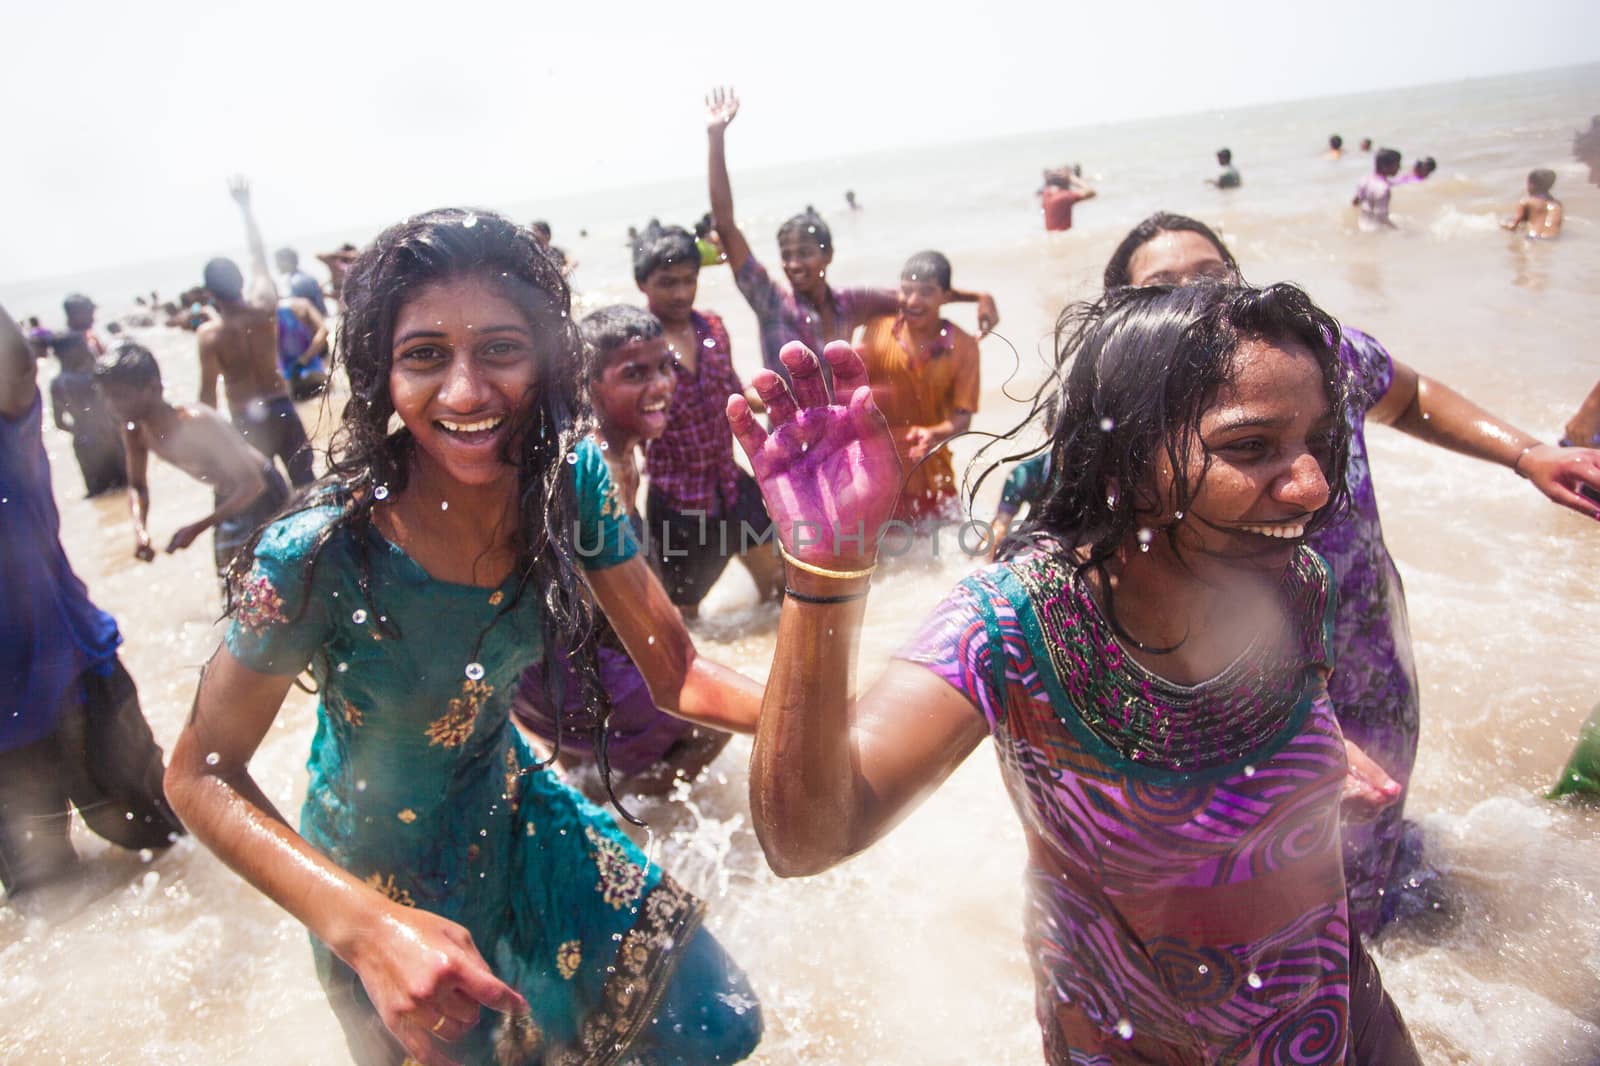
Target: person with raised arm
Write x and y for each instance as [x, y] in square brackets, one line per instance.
[810, 310]
[440, 867]
[1152, 668]
[240, 345]
[74, 735]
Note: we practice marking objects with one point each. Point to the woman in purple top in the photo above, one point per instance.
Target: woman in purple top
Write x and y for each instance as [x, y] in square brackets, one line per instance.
[1374, 684]
[1151, 667]
[813, 312]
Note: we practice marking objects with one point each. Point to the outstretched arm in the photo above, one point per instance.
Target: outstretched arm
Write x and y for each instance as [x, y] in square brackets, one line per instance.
[652, 631]
[988, 311]
[423, 974]
[19, 370]
[721, 107]
[829, 774]
[1434, 412]
[259, 289]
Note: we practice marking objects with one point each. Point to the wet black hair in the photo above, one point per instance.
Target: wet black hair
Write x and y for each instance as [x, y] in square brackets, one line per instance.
[1134, 373]
[613, 327]
[366, 457]
[663, 246]
[1336, 141]
[808, 224]
[128, 364]
[927, 266]
[540, 227]
[1386, 157]
[1224, 156]
[223, 280]
[1541, 180]
[1116, 275]
[703, 227]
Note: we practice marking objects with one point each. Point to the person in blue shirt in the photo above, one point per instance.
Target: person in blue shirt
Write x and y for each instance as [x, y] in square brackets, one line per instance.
[71, 731]
[296, 282]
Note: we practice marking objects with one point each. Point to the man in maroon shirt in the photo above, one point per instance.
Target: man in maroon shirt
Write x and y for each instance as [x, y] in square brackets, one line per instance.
[702, 509]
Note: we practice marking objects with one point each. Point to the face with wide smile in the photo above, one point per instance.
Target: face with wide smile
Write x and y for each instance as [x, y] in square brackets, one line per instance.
[464, 369]
[633, 394]
[1258, 474]
[805, 263]
[921, 301]
[1177, 257]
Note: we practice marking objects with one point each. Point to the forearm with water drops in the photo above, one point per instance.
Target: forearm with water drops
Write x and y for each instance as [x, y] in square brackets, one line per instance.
[1440, 415]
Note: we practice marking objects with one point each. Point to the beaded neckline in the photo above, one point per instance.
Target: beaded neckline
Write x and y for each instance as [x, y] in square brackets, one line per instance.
[1149, 720]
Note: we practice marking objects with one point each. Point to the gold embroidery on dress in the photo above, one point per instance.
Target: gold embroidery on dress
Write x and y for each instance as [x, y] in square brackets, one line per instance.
[387, 886]
[569, 957]
[496, 599]
[452, 729]
[621, 879]
[352, 713]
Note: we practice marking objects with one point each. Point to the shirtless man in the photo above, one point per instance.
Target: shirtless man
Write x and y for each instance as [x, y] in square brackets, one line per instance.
[241, 344]
[196, 440]
[1541, 211]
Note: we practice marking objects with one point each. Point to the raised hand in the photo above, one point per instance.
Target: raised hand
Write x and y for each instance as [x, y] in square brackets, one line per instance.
[427, 981]
[828, 471]
[722, 104]
[239, 189]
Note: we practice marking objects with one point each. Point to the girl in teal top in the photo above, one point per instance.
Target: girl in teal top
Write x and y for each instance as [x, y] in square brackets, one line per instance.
[439, 867]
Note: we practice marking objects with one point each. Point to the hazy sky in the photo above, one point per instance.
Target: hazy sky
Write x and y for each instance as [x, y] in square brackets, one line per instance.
[124, 118]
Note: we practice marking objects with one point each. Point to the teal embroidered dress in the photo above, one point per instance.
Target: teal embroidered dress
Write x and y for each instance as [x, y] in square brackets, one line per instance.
[420, 786]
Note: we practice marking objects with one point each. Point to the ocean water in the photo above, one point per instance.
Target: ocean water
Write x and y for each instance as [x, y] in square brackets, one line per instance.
[912, 952]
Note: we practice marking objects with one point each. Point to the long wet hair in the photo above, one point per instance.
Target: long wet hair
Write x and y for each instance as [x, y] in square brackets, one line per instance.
[368, 462]
[1117, 276]
[1135, 372]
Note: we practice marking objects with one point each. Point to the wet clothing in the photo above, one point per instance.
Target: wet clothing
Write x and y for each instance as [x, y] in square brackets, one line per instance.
[1057, 204]
[70, 729]
[786, 316]
[102, 759]
[692, 549]
[273, 428]
[1374, 682]
[1372, 197]
[230, 534]
[1185, 899]
[420, 785]
[912, 392]
[294, 340]
[77, 406]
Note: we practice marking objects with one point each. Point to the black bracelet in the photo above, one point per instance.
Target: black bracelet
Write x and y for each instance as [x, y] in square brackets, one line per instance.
[803, 598]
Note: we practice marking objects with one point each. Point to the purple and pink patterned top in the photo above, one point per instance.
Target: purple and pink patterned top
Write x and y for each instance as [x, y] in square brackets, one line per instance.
[785, 316]
[1374, 688]
[692, 464]
[1185, 899]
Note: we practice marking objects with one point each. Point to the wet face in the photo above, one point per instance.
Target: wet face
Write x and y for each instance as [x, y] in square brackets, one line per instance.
[633, 393]
[920, 300]
[464, 368]
[670, 291]
[1258, 472]
[805, 262]
[1177, 257]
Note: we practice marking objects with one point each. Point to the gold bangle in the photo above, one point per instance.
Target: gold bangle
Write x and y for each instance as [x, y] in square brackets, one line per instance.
[840, 575]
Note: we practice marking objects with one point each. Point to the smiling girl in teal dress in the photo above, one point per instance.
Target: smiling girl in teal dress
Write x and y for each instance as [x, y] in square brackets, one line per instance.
[439, 867]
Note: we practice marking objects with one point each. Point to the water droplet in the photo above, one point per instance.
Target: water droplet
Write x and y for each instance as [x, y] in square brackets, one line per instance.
[359, 618]
[1204, 969]
[469, 222]
[1146, 535]
[444, 505]
[572, 458]
[708, 343]
[652, 640]
[483, 832]
[1125, 1028]
[342, 667]
[1178, 515]
[361, 786]
[1108, 424]
[474, 671]
[145, 854]
[213, 759]
[132, 427]
[381, 492]
[1253, 979]
[605, 446]
[1249, 771]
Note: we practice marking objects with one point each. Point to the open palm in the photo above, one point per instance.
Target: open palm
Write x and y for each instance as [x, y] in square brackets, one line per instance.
[721, 107]
[828, 471]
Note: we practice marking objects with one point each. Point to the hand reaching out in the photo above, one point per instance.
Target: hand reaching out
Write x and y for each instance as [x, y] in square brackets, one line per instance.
[1562, 474]
[239, 189]
[722, 104]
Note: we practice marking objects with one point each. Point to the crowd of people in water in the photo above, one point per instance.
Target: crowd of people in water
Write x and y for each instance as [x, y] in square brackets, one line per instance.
[1189, 643]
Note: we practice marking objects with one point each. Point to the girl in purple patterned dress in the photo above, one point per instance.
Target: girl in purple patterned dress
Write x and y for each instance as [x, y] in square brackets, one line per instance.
[1151, 665]
[1374, 687]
